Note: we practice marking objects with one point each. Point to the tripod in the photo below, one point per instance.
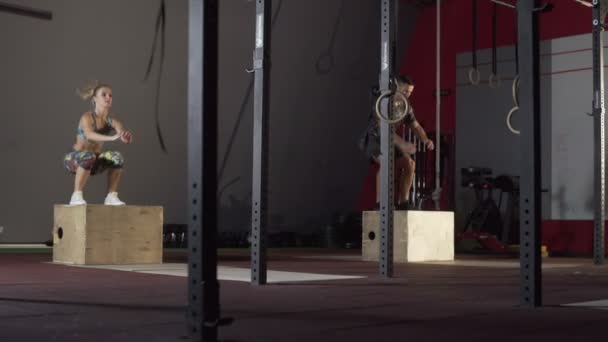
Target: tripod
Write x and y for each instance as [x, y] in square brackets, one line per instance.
[485, 217]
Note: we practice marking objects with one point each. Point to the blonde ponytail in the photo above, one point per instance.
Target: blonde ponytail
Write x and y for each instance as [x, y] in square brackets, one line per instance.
[88, 91]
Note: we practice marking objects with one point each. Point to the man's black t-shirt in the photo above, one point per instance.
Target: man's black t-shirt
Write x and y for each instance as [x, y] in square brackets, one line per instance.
[369, 141]
[373, 124]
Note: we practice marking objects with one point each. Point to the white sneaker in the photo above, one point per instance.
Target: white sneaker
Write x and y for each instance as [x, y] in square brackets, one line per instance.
[112, 199]
[77, 198]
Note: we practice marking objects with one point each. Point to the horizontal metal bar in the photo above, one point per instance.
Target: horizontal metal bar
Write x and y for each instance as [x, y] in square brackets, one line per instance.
[585, 3]
[503, 3]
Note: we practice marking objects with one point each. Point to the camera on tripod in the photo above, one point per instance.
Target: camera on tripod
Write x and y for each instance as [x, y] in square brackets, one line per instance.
[476, 177]
[486, 215]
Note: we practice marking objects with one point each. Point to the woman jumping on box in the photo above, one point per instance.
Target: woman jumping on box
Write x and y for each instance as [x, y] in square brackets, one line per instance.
[94, 128]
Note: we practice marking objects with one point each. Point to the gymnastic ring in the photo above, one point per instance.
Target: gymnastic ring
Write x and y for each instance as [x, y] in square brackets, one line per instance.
[387, 93]
[509, 116]
[474, 76]
[494, 81]
[515, 90]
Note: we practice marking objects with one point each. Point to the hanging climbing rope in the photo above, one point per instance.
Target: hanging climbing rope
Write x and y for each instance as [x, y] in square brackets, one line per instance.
[494, 81]
[474, 76]
[514, 88]
[325, 61]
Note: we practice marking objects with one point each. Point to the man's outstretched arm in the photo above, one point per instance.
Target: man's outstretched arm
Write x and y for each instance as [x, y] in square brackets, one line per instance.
[421, 134]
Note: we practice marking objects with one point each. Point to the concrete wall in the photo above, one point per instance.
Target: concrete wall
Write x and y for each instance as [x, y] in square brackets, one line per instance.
[315, 167]
[566, 135]
[41, 66]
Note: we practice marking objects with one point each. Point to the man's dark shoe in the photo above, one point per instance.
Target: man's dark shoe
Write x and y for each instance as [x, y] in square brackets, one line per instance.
[405, 206]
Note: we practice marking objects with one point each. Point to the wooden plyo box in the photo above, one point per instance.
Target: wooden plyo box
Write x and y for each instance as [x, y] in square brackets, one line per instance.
[107, 235]
[417, 236]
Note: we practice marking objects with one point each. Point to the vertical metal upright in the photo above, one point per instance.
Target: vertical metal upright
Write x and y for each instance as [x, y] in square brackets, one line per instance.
[599, 132]
[436, 196]
[387, 162]
[529, 108]
[203, 287]
[259, 210]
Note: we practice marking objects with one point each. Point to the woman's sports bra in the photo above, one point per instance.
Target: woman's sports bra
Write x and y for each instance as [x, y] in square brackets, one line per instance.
[105, 130]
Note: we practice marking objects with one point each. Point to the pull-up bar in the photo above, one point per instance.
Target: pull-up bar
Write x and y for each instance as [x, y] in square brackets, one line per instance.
[585, 3]
[503, 3]
[545, 7]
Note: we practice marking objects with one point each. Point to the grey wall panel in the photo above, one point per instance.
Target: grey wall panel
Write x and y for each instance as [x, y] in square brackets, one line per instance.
[315, 166]
[567, 134]
[41, 65]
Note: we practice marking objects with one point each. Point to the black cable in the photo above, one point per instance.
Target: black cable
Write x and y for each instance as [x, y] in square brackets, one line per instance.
[516, 51]
[474, 33]
[494, 25]
[473, 71]
[26, 11]
[244, 104]
[325, 61]
[494, 80]
[160, 27]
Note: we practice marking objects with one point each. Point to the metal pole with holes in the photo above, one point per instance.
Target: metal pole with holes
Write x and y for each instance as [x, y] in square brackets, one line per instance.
[599, 132]
[203, 287]
[387, 161]
[437, 192]
[260, 141]
[529, 109]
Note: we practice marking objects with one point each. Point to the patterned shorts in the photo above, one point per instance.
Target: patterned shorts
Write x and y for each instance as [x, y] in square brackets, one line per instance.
[96, 162]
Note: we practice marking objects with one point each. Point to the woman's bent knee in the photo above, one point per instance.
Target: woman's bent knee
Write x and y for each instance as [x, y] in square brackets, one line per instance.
[79, 159]
[114, 159]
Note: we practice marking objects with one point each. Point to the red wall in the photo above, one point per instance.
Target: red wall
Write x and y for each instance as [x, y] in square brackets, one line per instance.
[566, 19]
